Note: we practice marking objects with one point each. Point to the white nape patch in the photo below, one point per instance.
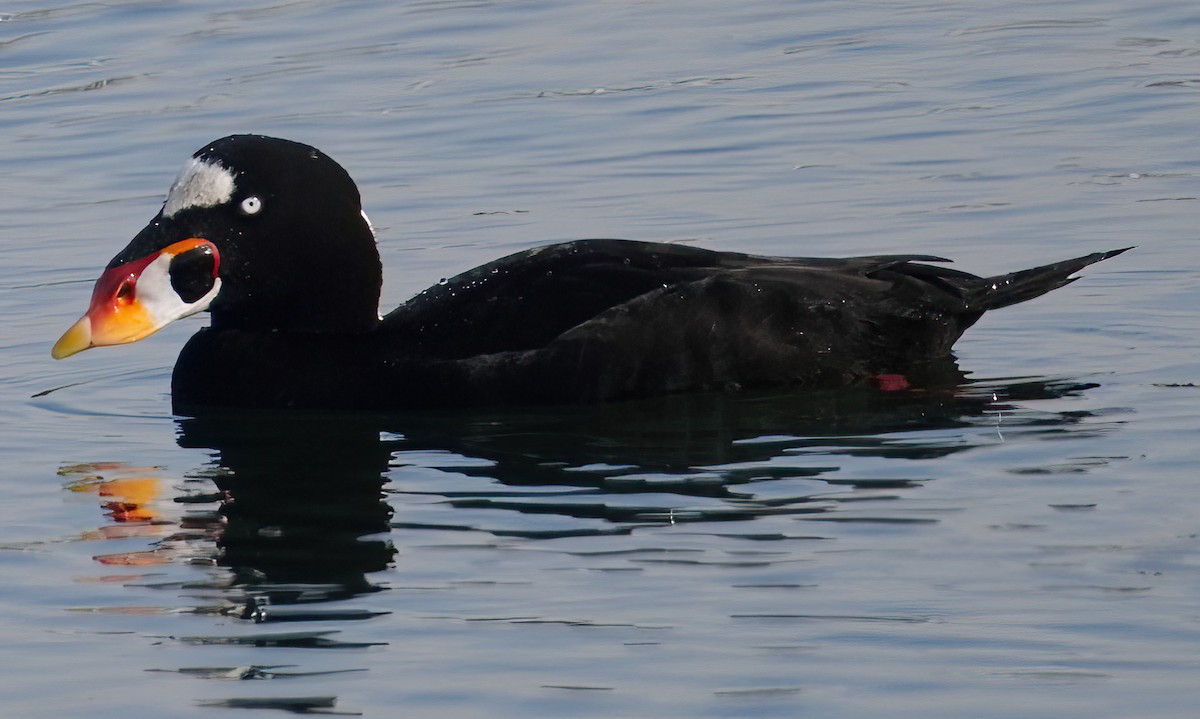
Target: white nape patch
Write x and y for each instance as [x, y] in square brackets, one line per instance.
[200, 184]
[370, 226]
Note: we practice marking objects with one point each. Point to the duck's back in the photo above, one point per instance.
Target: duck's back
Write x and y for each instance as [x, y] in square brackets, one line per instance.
[527, 300]
[605, 319]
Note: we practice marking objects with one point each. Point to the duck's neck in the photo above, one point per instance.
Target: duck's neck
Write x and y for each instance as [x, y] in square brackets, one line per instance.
[301, 318]
[336, 293]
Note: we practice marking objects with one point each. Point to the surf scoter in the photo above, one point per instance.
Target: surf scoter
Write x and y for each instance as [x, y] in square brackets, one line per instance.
[269, 236]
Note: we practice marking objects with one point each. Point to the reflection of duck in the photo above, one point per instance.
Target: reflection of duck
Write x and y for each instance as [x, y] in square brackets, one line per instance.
[307, 505]
[298, 496]
[300, 492]
[269, 236]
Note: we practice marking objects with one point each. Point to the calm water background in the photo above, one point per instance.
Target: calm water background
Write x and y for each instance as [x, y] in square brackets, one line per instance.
[1025, 548]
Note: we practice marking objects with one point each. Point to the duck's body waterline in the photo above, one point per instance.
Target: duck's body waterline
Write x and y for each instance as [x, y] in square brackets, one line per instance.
[270, 237]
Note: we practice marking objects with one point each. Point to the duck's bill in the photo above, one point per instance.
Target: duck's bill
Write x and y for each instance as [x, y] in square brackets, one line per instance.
[136, 299]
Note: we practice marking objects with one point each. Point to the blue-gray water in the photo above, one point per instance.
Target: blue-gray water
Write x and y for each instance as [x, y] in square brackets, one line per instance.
[1025, 548]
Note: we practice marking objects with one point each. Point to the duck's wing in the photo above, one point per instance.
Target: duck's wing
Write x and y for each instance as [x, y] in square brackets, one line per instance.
[526, 300]
[760, 322]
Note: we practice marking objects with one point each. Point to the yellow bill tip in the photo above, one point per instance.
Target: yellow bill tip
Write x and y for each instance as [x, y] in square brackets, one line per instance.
[76, 339]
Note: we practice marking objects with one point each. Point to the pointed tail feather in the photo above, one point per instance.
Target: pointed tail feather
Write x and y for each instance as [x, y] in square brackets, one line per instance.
[1004, 290]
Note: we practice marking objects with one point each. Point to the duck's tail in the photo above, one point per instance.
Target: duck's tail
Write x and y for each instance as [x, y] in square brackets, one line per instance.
[992, 293]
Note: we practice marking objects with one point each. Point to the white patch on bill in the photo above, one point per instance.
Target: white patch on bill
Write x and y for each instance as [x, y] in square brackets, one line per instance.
[160, 300]
[200, 184]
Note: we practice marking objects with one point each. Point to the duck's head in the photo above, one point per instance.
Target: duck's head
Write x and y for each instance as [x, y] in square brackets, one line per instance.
[266, 234]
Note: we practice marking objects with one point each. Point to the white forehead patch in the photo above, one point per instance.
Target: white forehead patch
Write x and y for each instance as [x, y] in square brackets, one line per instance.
[201, 184]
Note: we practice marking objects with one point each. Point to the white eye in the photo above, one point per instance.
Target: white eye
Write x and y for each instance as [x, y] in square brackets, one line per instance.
[251, 205]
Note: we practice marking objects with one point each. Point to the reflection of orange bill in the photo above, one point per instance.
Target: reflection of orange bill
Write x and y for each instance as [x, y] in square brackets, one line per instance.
[129, 501]
[125, 530]
[126, 512]
[134, 490]
[134, 559]
[131, 498]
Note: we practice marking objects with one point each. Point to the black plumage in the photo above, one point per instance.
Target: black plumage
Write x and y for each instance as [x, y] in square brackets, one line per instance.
[295, 323]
